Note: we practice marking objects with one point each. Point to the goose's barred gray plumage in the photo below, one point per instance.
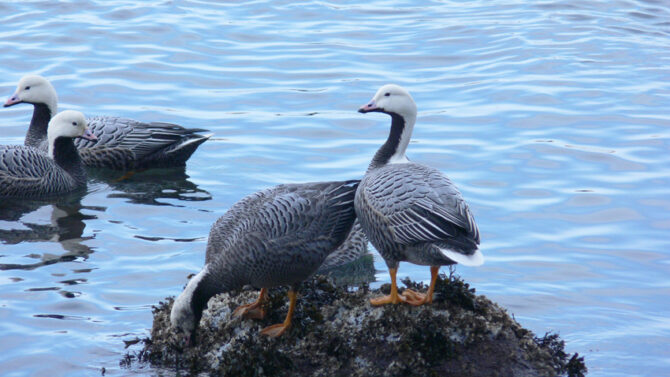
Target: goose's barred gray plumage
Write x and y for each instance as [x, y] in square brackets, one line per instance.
[27, 172]
[354, 247]
[122, 143]
[130, 144]
[278, 236]
[282, 235]
[409, 211]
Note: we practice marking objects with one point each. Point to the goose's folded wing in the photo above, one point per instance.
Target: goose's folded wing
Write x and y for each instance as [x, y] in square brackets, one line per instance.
[20, 162]
[143, 139]
[421, 205]
[427, 221]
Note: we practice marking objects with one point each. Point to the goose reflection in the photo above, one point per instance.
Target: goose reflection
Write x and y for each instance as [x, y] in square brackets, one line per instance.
[23, 221]
[150, 186]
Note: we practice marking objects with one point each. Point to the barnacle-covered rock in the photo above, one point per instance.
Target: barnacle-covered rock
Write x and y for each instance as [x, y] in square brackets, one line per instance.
[336, 332]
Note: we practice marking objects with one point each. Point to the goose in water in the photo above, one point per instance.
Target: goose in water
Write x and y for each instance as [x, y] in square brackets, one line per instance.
[27, 172]
[278, 236]
[409, 211]
[122, 143]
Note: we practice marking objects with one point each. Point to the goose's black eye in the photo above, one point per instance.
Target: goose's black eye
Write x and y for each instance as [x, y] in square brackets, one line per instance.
[387, 94]
[74, 123]
[27, 87]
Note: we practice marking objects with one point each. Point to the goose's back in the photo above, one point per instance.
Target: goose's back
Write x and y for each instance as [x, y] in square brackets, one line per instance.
[29, 172]
[403, 206]
[126, 143]
[281, 235]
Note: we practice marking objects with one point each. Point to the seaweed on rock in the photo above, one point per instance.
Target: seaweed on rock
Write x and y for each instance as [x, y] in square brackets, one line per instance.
[336, 332]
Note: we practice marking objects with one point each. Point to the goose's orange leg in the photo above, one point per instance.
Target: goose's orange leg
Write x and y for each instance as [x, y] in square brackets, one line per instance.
[393, 298]
[125, 176]
[278, 329]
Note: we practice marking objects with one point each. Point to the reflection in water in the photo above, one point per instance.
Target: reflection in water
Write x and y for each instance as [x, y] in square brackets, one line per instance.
[148, 187]
[66, 226]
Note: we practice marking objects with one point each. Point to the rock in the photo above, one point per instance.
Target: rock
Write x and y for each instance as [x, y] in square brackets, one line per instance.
[336, 332]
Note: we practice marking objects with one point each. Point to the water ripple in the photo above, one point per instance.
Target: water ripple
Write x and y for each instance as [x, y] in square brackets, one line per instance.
[551, 117]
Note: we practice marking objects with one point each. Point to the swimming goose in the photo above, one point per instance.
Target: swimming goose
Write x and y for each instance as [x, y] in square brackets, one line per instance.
[122, 143]
[278, 236]
[28, 172]
[409, 211]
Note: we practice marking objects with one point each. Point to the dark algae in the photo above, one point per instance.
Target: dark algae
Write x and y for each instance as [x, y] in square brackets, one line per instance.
[336, 332]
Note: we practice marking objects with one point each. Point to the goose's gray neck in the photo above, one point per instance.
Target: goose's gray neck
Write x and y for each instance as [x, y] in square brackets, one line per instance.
[66, 156]
[396, 144]
[37, 131]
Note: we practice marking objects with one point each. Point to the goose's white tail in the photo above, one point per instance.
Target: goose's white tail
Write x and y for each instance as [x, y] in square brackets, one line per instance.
[476, 259]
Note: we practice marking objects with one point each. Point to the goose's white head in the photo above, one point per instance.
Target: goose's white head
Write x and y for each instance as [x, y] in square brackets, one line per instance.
[35, 90]
[395, 101]
[392, 99]
[69, 124]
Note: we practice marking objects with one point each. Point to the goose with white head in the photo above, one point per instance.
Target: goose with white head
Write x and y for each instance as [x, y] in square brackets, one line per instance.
[123, 144]
[409, 211]
[278, 236]
[27, 172]
[37, 91]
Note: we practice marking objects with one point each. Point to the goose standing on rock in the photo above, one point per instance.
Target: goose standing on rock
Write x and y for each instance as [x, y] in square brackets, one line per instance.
[123, 143]
[27, 172]
[409, 211]
[278, 236]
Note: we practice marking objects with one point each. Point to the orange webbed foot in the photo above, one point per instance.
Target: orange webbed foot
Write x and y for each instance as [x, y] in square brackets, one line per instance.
[392, 298]
[389, 299]
[255, 309]
[415, 298]
[250, 311]
[275, 330]
[278, 329]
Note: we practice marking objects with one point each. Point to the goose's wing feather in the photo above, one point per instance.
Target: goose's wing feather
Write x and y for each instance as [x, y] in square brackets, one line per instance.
[141, 138]
[127, 143]
[287, 219]
[26, 171]
[420, 204]
[353, 247]
[280, 235]
[20, 161]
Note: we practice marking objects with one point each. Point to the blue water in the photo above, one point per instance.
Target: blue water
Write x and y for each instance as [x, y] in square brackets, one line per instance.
[551, 117]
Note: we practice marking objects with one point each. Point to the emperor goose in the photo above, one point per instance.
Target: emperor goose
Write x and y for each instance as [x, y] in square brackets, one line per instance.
[409, 211]
[28, 172]
[122, 143]
[278, 236]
